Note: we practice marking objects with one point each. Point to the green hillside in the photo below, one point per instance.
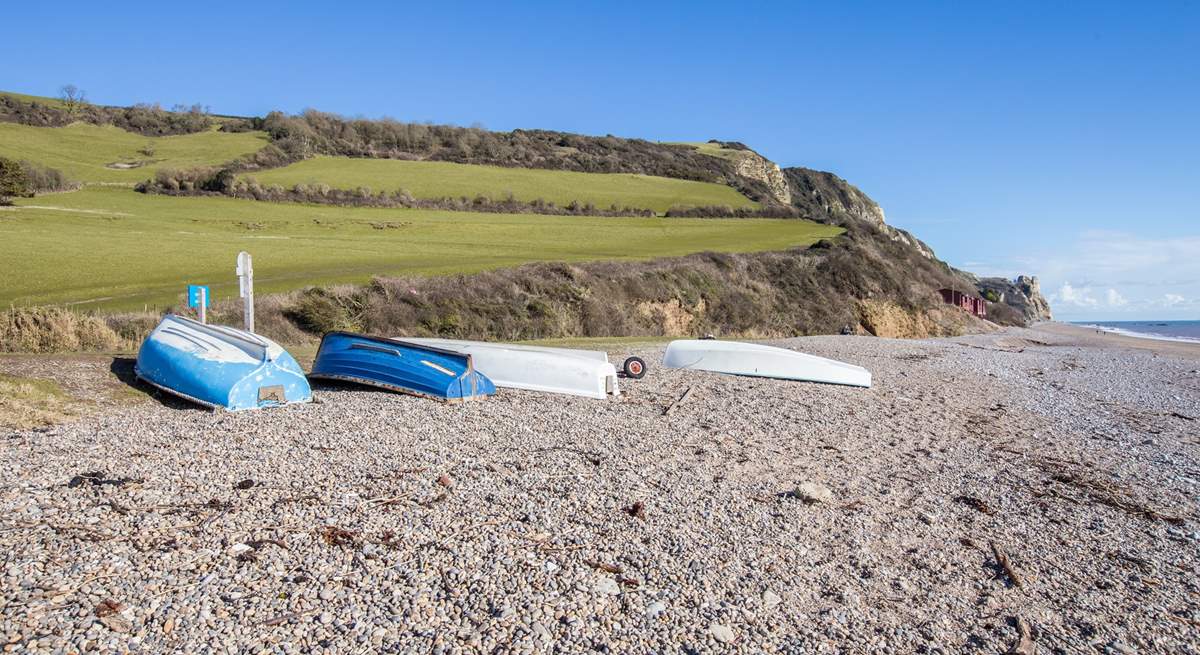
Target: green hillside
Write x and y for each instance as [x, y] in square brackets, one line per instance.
[432, 179]
[711, 149]
[116, 248]
[23, 97]
[91, 153]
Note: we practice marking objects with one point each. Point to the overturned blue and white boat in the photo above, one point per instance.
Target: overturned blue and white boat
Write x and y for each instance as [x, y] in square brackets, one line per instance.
[537, 368]
[397, 365]
[220, 367]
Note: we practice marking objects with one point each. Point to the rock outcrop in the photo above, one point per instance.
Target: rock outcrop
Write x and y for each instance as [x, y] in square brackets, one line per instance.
[1023, 294]
[827, 198]
[753, 166]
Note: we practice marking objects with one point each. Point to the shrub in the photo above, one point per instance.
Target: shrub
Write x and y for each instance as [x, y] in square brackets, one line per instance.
[13, 181]
[54, 329]
[42, 179]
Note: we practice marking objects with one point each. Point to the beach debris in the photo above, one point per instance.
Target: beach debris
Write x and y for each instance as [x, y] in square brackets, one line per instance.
[257, 544]
[1006, 564]
[97, 478]
[1107, 494]
[446, 481]
[684, 396]
[637, 510]
[721, 632]
[617, 571]
[770, 599]
[974, 503]
[1141, 563]
[1024, 645]
[239, 548]
[970, 543]
[295, 499]
[245, 484]
[604, 566]
[107, 607]
[435, 500]
[607, 586]
[114, 506]
[813, 493]
[335, 536]
[1183, 416]
[653, 610]
[284, 618]
[109, 612]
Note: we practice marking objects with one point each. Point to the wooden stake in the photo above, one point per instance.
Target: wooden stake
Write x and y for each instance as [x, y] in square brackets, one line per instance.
[1005, 564]
[671, 408]
[1024, 645]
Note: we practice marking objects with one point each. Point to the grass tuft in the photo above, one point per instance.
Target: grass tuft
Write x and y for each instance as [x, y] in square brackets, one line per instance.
[55, 330]
[30, 403]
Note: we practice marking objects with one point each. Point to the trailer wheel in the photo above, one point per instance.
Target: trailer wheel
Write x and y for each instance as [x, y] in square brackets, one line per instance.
[634, 367]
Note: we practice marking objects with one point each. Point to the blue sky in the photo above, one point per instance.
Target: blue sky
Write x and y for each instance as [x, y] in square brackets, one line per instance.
[1061, 141]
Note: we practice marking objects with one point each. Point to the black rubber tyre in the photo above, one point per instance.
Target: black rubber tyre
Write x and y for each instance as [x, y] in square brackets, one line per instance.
[634, 367]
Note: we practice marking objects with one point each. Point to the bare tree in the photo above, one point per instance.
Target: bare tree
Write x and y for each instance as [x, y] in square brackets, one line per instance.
[73, 98]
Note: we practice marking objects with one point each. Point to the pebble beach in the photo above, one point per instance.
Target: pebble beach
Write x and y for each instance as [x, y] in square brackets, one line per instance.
[1029, 490]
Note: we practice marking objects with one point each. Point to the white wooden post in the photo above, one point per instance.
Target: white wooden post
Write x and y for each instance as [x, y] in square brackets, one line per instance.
[203, 305]
[245, 271]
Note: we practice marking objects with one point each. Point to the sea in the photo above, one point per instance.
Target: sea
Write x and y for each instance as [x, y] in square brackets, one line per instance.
[1165, 330]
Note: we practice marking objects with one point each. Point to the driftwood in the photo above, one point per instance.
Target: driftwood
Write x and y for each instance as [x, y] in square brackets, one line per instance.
[1009, 569]
[1024, 645]
[604, 566]
[678, 401]
[284, 618]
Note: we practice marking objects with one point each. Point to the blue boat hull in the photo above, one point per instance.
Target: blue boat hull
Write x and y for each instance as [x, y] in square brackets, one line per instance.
[220, 367]
[397, 365]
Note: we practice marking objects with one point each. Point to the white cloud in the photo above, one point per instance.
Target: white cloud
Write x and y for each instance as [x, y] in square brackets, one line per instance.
[1069, 295]
[1115, 275]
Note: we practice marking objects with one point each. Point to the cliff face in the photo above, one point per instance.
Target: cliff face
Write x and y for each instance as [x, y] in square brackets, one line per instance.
[828, 198]
[751, 165]
[1023, 294]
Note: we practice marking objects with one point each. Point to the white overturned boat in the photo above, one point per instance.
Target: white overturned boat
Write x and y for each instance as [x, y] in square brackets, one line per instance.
[757, 360]
[536, 368]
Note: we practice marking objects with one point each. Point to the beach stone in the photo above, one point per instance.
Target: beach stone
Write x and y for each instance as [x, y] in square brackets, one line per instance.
[607, 586]
[813, 492]
[770, 599]
[653, 610]
[721, 632]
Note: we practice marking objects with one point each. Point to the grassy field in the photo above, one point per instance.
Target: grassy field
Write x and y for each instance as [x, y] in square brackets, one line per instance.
[711, 149]
[23, 97]
[113, 248]
[428, 179]
[84, 152]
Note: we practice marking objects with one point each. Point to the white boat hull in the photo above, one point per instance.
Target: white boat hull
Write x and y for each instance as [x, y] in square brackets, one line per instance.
[757, 360]
[535, 368]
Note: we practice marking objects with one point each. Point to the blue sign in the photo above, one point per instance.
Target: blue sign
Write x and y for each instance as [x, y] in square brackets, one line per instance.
[194, 295]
